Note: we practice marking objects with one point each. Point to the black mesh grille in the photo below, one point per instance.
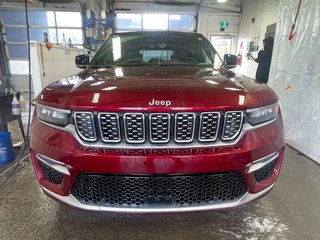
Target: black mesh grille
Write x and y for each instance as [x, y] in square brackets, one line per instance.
[209, 126]
[265, 172]
[168, 190]
[50, 174]
[232, 125]
[159, 127]
[184, 127]
[85, 125]
[134, 127]
[109, 127]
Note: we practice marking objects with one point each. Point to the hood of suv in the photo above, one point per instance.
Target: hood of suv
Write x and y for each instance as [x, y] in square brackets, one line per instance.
[156, 88]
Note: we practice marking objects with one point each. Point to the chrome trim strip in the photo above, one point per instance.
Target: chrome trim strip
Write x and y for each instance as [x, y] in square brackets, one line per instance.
[224, 124]
[118, 127]
[70, 200]
[150, 126]
[257, 164]
[200, 126]
[71, 129]
[143, 126]
[58, 166]
[94, 127]
[175, 127]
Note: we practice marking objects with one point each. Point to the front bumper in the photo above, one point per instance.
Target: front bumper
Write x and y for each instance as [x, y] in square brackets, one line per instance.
[71, 201]
[255, 150]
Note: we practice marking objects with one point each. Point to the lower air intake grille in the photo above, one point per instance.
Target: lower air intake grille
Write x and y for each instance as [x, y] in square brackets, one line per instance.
[163, 190]
[50, 174]
[265, 172]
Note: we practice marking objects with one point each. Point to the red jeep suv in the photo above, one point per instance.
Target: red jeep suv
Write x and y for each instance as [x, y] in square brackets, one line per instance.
[156, 123]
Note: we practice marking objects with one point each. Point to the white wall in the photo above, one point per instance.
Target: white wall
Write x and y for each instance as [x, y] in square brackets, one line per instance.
[265, 13]
[209, 25]
[295, 75]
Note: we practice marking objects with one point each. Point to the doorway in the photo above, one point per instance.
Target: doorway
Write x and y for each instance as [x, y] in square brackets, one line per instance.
[223, 44]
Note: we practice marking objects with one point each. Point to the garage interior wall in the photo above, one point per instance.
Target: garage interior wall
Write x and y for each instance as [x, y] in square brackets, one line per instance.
[295, 75]
[264, 13]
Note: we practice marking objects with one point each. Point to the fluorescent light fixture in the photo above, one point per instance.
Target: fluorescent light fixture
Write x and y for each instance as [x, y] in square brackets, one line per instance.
[241, 99]
[232, 89]
[212, 82]
[97, 83]
[116, 48]
[108, 88]
[118, 72]
[95, 98]
[221, 1]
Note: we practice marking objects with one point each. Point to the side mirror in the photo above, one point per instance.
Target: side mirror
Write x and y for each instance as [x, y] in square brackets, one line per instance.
[82, 61]
[230, 61]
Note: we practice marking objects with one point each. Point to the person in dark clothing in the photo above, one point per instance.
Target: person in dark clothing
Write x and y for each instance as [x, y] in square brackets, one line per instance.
[264, 60]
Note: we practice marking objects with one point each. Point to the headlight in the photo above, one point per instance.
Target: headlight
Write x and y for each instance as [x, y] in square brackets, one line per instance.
[263, 114]
[53, 115]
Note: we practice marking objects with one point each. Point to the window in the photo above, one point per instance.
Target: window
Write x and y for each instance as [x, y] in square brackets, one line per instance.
[181, 22]
[54, 23]
[129, 21]
[155, 48]
[155, 21]
[42, 18]
[68, 19]
[151, 21]
[75, 35]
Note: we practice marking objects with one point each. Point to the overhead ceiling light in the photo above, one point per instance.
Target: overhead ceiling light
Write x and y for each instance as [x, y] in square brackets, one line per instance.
[221, 1]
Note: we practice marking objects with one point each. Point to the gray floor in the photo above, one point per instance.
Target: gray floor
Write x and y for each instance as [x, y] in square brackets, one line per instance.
[290, 211]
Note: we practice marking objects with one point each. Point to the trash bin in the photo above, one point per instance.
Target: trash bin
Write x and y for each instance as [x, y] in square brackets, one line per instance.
[6, 148]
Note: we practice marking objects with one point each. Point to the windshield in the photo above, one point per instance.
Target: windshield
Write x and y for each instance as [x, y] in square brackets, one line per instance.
[163, 49]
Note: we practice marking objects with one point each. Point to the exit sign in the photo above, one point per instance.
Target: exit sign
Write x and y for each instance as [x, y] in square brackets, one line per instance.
[224, 24]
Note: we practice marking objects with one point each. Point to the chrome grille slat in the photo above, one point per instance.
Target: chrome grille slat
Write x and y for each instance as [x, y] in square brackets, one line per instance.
[159, 127]
[232, 125]
[184, 127]
[109, 127]
[85, 126]
[134, 127]
[209, 126]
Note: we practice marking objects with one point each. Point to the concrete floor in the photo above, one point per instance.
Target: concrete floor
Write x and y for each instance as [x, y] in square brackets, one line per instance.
[290, 211]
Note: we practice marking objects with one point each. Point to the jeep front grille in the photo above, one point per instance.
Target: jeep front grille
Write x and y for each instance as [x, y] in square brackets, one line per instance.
[159, 128]
[85, 126]
[209, 126]
[184, 127]
[134, 127]
[232, 125]
[109, 127]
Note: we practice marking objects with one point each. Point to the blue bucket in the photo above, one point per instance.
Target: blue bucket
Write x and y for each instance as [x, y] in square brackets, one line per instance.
[6, 148]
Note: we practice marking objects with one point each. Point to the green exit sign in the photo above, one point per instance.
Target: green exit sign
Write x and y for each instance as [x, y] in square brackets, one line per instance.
[224, 24]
